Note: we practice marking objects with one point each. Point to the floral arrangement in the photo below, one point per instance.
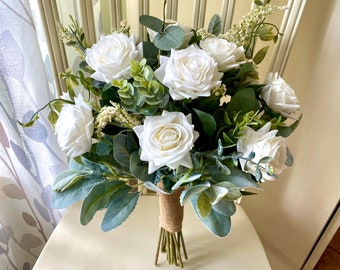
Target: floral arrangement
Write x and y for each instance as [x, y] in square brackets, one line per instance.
[183, 108]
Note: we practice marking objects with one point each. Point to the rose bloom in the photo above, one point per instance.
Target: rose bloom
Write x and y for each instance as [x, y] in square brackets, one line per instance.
[74, 128]
[166, 140]
[279, 96]
[264, 143]
[110, 57]
[189, 73]
[226, 54]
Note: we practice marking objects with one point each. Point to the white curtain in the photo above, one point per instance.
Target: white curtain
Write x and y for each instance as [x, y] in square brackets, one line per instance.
[29, 157]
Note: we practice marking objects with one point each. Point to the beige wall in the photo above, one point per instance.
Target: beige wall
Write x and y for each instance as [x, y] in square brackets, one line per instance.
[290, 213]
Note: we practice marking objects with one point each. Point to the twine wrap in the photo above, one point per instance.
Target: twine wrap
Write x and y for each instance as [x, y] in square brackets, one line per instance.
[171, 211]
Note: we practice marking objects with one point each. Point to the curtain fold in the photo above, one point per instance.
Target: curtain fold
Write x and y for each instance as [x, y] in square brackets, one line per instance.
[29, 157]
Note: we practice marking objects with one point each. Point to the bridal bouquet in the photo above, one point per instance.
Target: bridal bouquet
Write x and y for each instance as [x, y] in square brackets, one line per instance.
[181, 110]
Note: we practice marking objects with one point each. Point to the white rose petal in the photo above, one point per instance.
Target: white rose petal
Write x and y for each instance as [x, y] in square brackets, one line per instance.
[189, 73]
[227, 54]
[166, 140]
[264, 143]
[110, 57]
[279, 96]
[74, 128]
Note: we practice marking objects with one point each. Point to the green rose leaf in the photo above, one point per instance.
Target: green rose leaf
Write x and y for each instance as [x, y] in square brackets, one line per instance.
[290, 158]
[171, 38]
[99, 197]
[120, 151]
[237, 102]
[118, 210]
[208, 122]
[260, 55]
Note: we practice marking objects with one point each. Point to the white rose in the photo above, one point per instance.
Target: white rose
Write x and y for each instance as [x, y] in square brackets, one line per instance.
[110, 57]
[279, 96]
[188, 33]
[166, 140]
[264, 143]
[74, 128]
[226, 54]
[189, 73]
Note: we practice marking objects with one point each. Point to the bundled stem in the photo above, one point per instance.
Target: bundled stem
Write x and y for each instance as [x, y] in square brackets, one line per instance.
[171, 239]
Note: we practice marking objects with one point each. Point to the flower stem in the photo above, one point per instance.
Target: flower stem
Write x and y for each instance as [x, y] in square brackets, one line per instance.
[171, 243]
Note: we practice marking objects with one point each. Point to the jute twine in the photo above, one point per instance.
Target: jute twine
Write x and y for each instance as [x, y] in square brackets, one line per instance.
[171, 211]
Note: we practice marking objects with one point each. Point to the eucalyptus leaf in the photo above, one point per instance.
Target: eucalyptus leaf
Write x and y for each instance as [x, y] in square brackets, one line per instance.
[118, 210]
[171, 38]
[151, 22]
[215, 25]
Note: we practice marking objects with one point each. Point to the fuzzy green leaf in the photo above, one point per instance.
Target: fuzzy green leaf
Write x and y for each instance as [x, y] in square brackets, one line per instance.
[188, 193]
[215, 222]
[99, 197]
[203, 204]
[118, 210]
[68, 178]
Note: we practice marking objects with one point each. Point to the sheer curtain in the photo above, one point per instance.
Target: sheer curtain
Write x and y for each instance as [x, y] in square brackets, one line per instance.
[29, 157]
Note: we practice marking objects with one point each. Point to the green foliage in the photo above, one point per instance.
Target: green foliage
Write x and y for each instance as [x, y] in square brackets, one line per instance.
[145, 94]
[167, 38]
[215, 25]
